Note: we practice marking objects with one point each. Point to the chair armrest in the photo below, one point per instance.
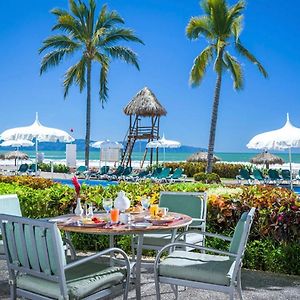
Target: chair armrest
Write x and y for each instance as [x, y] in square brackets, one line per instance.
[219, 236]
[71, 247]
[94, 256]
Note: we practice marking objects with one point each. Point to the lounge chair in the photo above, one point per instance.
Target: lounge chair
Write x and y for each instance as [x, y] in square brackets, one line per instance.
[286, 175]
[244, 175]
[274, 176]
[154, 173]
[163, 175]
[114, 175]
[31, 169]
[137, 176]
[38, 268]
[177, 176]
[218, 271]
[81, 171]
[97, 175]
[258, 175]
[23, 168]
[127, 171]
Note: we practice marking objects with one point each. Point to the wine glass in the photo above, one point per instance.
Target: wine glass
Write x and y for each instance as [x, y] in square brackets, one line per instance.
[90, 212]
[107, 205]
[145, 201]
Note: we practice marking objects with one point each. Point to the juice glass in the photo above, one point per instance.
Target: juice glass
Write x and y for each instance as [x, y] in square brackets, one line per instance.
[153, 210]
[114, 215]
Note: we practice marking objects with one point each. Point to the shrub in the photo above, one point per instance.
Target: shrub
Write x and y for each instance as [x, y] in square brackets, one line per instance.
[57, 168]
[273, 241]
[207, 178]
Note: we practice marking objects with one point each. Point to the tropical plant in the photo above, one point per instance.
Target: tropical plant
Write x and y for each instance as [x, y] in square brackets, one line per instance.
[221, 25]
[96, 39]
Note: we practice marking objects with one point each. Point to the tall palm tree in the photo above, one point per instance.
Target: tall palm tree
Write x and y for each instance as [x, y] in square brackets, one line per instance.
[221, 26]
[96, 39]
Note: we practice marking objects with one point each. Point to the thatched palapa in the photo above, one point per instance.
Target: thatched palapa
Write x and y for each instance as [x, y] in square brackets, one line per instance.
[267, 159]
[145, 104]
[201, 157]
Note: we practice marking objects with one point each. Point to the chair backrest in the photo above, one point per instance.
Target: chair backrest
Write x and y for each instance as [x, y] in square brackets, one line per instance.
[34, 247]
[81, 169]
[10, 205]
[258, 174]
[241, 233]
[191, 204]
[286, 174]
[177, 173]
[164, 173]
[273, 174]
[104, 170]
[244, 173]
[119, 171]
[127, 171]
[23, 168]
[156, 171]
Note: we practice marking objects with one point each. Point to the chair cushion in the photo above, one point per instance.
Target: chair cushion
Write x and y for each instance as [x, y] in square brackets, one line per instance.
[238, 232]
[214, 269]
[82, 280]
[162, 239]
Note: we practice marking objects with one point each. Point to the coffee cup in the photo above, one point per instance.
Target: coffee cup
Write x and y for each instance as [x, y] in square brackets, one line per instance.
[163, 211]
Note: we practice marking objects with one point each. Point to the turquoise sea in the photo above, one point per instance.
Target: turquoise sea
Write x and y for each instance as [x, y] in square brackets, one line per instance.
[169, 156]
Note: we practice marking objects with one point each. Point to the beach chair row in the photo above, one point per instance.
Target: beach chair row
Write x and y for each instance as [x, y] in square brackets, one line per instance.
[273, 177]
[159, 174]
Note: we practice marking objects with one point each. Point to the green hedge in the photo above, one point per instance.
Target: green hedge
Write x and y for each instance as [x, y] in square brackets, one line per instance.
[57, 168]
[222, 169]
[274, 242]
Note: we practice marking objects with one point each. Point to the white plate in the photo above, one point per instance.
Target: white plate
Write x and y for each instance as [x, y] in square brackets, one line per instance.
[141, 224]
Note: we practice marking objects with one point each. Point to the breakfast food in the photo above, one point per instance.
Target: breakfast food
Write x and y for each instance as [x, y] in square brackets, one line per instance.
[136, 209]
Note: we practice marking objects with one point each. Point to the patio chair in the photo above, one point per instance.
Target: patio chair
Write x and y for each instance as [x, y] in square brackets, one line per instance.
[114, 175]
[137, 176]
[191, 204]
[286, 175]
[163, 175]
[10, 205]
[154, 173]
[98, 174]
[38, 268]
[274, 176]
[258, 175]
[177, 176]
[31, 169]
[244, 175]
[127, 171]
[220, 271]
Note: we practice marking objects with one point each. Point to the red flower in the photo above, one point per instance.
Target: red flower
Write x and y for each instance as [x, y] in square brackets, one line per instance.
[280, 218]
[76, 185]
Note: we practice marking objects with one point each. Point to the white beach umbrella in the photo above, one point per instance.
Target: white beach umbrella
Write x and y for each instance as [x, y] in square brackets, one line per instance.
[163, 143]
[38, 132]
[286, 137]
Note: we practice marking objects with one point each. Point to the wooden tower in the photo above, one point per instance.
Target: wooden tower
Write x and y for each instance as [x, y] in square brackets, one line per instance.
[142, 109]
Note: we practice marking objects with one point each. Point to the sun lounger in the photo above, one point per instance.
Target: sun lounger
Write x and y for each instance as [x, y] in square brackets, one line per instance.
[177, 176]
[154, 173]
[23, 169]
[136, 176]
[258, 175]
[244, 175]
[114, 175]
[81, 171]
[97, 175]
[274, 176]
[163, 175]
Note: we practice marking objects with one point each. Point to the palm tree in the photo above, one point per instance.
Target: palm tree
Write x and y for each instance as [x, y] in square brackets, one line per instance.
[95, 38]
[221, 26]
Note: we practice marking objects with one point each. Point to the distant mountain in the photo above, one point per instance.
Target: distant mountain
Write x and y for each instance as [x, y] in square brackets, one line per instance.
[139, 146]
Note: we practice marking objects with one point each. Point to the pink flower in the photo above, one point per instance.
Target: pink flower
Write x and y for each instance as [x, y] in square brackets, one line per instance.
[280, 218]
[76, 185]
[294, 207]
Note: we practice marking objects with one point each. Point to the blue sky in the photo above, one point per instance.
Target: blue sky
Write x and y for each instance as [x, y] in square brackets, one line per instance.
[271, 33]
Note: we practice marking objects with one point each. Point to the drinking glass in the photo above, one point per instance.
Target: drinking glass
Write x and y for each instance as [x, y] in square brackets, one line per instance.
[90, 212]
[153, 210]
[145, 201]
[107, 205]
[114, 215]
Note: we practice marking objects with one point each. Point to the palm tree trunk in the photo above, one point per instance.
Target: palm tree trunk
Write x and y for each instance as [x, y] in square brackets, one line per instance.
[88, 115]
[213, 124]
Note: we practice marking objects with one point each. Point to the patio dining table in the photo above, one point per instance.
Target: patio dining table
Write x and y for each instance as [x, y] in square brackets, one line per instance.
[72, 223]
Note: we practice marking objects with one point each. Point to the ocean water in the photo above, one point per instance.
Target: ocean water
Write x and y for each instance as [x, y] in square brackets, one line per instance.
[169, 156]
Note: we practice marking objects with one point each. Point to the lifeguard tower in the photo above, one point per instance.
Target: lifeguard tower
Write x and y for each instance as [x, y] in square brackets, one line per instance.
[144, 112]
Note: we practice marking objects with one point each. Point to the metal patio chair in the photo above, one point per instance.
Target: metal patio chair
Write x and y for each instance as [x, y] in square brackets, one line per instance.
[220, 271]
[38, 268]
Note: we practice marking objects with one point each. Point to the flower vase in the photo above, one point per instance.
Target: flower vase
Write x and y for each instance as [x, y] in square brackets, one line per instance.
[78, 210]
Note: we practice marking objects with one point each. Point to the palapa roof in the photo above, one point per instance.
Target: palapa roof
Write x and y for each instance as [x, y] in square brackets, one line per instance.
[201, 157]
[266, 158]
[145, 104]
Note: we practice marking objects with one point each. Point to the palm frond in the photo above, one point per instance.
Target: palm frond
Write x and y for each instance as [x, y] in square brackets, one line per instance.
[69, 24]
[198, 26]
[80, 11]
[243, 51]
[123, 53]
[118, 34]
[53, 58]
[90, 15]
[75, 74]
[104, 61]
[237, 27]
[59, 12]
[218, 16]
[236, 71]
[59, 42]
[108, 19]
[200, 64]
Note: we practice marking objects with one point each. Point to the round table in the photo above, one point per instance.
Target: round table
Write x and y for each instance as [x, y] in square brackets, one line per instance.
[69, 223]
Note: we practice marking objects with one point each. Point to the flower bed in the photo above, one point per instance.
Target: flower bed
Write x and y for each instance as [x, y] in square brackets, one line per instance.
[274, 242]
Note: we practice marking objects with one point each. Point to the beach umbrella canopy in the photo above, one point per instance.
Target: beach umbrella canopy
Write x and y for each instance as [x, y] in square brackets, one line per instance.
[163, 143]
[286, 137]
[267, 159]
[201, 157]
[107, 145]
[38, 132]
[15, 155]
[17, 143]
